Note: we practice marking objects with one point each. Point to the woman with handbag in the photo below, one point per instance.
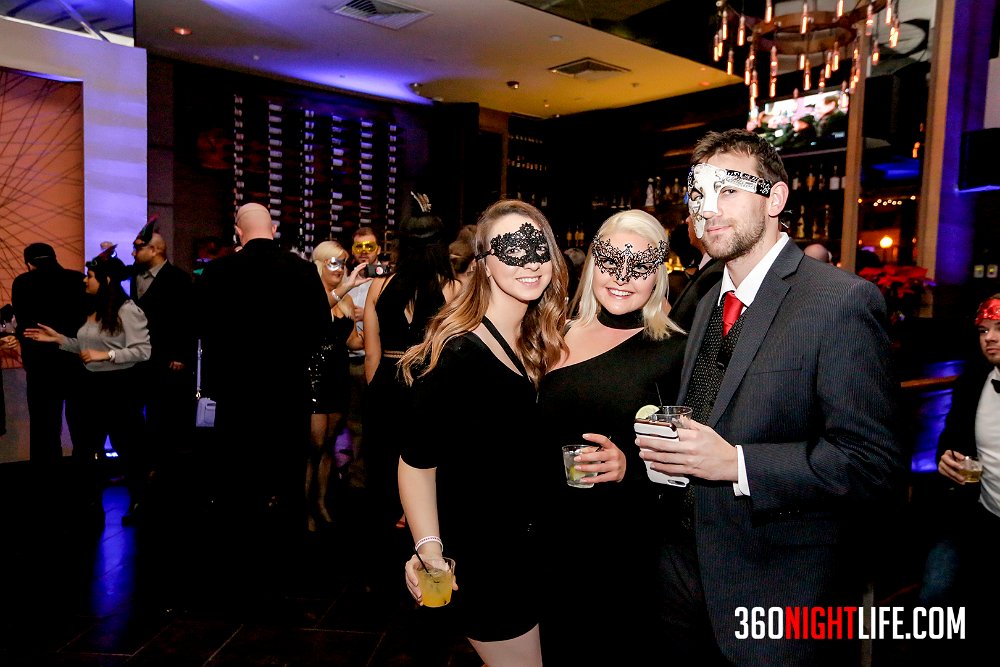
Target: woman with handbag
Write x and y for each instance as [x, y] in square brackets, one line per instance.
[111, 343]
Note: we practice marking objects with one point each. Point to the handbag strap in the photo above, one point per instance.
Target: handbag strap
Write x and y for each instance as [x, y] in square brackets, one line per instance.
[505, 345]
[197, 374]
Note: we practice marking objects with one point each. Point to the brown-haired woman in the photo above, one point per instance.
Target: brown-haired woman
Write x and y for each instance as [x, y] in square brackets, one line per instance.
[112, 341]
[474, 379]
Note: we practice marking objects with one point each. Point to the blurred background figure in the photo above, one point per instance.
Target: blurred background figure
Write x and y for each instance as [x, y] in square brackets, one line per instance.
[819, 252]
[574, 265]
[702, 274]
[330, 377]
[111, 343]
[165, 294]
[364, 250]
[462, 253]
[397, 311]
[262, 313]
[48, 294]
[959, 567]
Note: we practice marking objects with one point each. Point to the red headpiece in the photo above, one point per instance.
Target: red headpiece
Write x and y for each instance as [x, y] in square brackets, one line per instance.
[988, 310]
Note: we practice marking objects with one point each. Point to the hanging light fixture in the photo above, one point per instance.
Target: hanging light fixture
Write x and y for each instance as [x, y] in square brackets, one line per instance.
[815, 31]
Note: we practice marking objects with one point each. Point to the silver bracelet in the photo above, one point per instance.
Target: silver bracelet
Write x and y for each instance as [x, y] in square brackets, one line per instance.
[336, 297]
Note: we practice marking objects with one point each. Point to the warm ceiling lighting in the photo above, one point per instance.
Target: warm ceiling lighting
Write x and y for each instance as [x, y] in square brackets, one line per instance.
[182, 31]
[815, 35]
[885, 242]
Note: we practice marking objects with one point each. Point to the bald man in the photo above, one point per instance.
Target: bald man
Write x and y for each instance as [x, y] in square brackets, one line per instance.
[818, 251]
[262, 312]
[165, 294]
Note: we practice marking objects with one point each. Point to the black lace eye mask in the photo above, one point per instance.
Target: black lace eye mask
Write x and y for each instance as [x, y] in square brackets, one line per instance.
[626, 264]
[525, 246]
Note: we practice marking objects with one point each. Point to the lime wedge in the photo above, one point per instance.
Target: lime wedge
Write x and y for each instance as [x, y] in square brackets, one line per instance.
[646, 410]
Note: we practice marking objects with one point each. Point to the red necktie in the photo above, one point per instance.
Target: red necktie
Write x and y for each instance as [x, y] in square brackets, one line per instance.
[731, 309]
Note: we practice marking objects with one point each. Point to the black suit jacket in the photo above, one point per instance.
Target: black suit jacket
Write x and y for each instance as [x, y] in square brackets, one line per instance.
[959, 433]
[683, 310]
[53, 296]
[262, 313]
[169, 307]
[810, 396]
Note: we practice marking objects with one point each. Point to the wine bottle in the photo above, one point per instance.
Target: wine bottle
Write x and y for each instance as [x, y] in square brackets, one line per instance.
[834, 179]
[800, 226]
[795, 181]
[810, 179]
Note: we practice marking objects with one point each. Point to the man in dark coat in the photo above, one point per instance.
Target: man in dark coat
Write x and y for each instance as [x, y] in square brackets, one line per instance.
[262, 311]
[706, 273]
[165, 294]
[51, 295]
[792, 446]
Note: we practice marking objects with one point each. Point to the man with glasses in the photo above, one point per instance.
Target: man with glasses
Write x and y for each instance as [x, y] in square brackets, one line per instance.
[364, 249]
[165, 294]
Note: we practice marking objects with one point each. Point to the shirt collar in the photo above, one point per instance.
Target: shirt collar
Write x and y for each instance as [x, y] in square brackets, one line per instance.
[747, 291]
[156, 269]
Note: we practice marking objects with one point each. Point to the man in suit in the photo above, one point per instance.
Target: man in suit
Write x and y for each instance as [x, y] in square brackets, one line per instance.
[706, 273]
[969, 510]
[165, 294]
[791, 445]
[48, 294]
[262, 311]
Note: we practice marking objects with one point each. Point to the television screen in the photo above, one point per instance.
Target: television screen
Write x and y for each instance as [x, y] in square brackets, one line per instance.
[803, 122]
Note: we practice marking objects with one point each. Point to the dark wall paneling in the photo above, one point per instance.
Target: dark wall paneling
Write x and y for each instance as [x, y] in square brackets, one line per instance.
[324, 163]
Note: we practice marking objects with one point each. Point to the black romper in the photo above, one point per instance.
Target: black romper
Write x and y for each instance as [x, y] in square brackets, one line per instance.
[478, 424]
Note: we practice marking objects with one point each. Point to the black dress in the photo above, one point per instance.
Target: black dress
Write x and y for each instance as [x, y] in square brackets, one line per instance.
[477, 424]
[387, 395]
[329, 370]
[602, 540]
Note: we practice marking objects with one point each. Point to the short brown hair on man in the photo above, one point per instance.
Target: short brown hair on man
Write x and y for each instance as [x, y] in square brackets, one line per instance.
[743, 142]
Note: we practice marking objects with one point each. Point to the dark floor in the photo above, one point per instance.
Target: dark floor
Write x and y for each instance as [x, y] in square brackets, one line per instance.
[187, 586]
[178, 589]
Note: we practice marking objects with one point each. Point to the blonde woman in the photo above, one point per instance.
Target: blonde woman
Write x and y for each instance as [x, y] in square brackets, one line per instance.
[329, 374]
[622, 352]
[471, 481]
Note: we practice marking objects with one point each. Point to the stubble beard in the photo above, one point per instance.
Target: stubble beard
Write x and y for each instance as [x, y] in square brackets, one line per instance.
[746, 235]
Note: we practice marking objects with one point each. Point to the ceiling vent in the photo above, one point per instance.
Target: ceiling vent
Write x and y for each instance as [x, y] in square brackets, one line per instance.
[588, 69]
[386, 14]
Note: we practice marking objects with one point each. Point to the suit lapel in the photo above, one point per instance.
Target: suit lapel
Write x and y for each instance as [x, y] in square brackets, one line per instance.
[756, 323]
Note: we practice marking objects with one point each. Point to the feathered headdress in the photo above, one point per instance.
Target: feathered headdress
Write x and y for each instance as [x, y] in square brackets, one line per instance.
[423, 201]
[146, 233]
[105, 255]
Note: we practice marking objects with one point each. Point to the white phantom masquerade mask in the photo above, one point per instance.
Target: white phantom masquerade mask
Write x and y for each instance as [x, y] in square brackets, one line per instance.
[705, 182]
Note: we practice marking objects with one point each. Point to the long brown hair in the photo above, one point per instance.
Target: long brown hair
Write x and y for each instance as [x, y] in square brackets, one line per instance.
[539, 341]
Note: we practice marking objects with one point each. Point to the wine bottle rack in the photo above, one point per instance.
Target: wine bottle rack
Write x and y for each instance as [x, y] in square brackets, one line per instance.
[320, 174]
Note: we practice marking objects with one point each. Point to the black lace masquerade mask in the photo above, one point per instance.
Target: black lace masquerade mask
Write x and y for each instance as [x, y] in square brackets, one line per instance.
[626, 264]
[525, 246]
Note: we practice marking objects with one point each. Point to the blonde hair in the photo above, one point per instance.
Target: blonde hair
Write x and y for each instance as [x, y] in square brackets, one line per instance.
[326, 251]
[539, 341]
[656, 324]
